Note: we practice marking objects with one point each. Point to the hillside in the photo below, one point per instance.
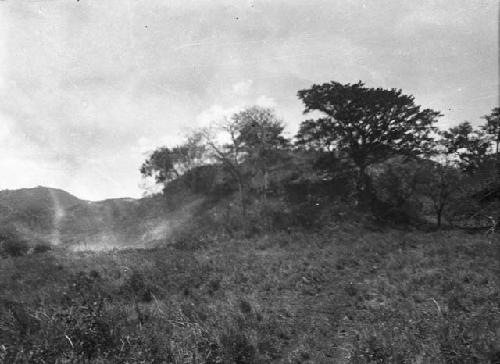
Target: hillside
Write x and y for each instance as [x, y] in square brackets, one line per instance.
[38, 198]
[57, 217]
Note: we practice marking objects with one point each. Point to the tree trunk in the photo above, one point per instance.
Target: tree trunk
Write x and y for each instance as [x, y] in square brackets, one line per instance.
[265, 185]
[364, 188]
[439, 215]
[241, 198]
[497, 160]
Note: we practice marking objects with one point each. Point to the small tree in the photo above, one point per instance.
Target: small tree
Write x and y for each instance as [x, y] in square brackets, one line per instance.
[11, 244]
[396, 185]
[367, 125]
[260, 138]
[468, 145]
[316, 135]
[227, 154]
[492, 128]
[251, 143]
[441, 185]
[166, 164]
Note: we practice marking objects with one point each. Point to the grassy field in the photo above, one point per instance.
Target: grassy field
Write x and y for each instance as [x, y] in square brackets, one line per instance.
[340, 295]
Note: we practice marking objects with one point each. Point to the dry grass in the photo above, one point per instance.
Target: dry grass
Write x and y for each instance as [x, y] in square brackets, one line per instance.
[342, 295]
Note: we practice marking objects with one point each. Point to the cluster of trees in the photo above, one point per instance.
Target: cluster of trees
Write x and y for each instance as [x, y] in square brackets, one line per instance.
[247, 146]
[394, 156]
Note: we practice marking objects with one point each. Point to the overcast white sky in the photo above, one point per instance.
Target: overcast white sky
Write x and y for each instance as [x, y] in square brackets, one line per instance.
[88, 88]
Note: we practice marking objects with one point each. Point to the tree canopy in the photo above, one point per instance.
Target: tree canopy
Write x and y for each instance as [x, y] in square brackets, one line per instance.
[366, 124]
[492, 126]
[469, 145]
[384, 149]
[165, 164]
[260, 135]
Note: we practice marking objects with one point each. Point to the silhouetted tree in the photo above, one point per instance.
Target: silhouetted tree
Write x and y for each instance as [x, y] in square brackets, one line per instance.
[441, 184]
[166, 164]
[367, 125]
[469, 145]
[492, 128]
[396, 184]
[316, 135]
[160, 165]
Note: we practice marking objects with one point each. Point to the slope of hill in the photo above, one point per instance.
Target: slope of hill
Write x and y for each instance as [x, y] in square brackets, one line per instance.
[38, 198]
[55, 216]
[36, 212]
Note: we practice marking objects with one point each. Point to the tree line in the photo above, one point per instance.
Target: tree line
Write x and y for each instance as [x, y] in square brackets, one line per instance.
[377, 146]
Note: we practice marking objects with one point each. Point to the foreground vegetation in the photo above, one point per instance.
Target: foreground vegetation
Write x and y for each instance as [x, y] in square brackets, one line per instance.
[342, 294]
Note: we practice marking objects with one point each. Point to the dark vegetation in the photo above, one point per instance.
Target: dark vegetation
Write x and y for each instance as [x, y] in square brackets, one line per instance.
[373, 149]
[368, 238]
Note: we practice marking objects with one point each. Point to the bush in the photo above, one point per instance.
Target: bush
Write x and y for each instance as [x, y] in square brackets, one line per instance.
[238, 349]
[394, 191]
[137, 286]
[41, 248]
[11, 244]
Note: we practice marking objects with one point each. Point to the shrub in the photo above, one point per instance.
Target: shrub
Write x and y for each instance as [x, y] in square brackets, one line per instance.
[41, 248]
[238, 349]
[138, 287]
[11, 244]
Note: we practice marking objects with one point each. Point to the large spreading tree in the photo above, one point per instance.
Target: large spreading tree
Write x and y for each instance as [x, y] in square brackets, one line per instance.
[366, 125]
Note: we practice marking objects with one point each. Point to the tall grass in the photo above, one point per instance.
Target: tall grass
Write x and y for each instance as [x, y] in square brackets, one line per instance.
[342, 294]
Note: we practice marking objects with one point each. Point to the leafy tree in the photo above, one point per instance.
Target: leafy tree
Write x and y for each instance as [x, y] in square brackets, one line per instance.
[441, 185]
[260, 138]
[492, 126]
[396, 184]
[160, 165]
[316, 135]
[254, 142]
[470, 146]
[191, 153]
[166, 164]
[11, 243]
[367, 125]
[227, 154]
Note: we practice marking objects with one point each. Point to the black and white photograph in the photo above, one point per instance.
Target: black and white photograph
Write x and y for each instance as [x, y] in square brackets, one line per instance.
[249, 182]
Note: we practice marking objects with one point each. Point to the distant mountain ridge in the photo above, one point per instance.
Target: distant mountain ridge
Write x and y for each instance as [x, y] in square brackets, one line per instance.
[58, 217]
[27, 198]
